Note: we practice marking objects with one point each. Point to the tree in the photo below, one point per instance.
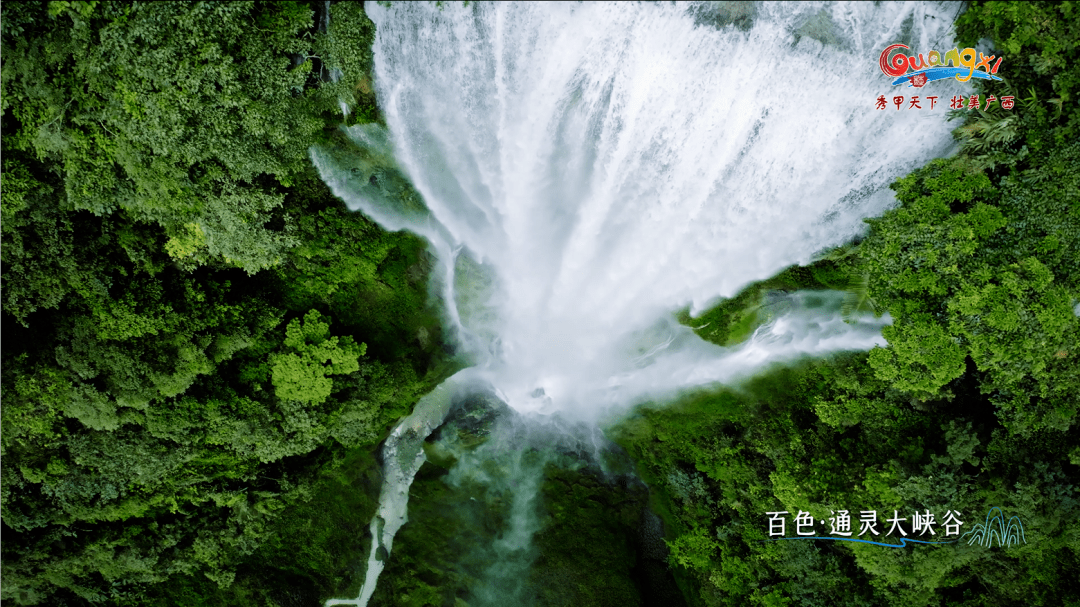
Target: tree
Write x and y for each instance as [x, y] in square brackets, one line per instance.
[301, 374]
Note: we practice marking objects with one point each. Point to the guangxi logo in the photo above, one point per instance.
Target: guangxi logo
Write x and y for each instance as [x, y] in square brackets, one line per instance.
[934, 66]
[918, 70]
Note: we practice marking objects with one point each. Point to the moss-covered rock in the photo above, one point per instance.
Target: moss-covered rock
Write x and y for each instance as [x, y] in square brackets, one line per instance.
[532, 511]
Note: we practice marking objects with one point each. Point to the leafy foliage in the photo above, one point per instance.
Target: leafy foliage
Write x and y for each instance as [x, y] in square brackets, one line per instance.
[189, 116]
[302, 373]
[174, 391]
[971, 404]
[830, 435]
[979, 261]
[1038, 43]
[183, 424]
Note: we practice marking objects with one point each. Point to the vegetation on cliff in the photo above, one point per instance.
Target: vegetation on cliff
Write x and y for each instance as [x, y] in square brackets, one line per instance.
[971, 405]
[203, 347]
[197, 333]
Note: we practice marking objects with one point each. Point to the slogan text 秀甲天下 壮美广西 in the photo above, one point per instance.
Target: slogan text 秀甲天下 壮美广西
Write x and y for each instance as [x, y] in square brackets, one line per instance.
[930, 102]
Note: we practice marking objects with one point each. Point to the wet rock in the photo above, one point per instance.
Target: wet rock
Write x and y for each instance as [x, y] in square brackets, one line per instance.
[722, 14]
[820, 27]
[472, 419]
[652, 573]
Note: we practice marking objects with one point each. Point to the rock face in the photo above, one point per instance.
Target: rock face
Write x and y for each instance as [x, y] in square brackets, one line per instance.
[509, 509]
[402, 454]
[653, 575]
[721, 14]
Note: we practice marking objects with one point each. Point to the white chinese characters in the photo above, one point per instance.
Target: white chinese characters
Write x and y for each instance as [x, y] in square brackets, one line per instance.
[840, 524]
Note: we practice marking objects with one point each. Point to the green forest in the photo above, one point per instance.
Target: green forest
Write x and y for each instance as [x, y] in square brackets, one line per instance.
[203, 347]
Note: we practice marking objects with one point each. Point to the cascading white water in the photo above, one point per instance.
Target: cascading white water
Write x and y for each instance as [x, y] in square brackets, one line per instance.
[608, 164]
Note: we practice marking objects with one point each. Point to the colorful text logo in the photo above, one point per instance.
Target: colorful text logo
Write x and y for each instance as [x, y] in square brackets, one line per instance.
[959, 64]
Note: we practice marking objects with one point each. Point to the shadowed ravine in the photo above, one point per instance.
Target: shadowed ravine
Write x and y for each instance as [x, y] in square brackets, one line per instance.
[588, 170]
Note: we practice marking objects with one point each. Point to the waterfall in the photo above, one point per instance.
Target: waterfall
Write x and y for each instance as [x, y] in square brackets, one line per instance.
[402, 456]
[596, 167]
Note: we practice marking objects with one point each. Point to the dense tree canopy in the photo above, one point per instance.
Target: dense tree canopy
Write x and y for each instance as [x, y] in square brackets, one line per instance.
[203, 347]
[195, 329]
[971, 404]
